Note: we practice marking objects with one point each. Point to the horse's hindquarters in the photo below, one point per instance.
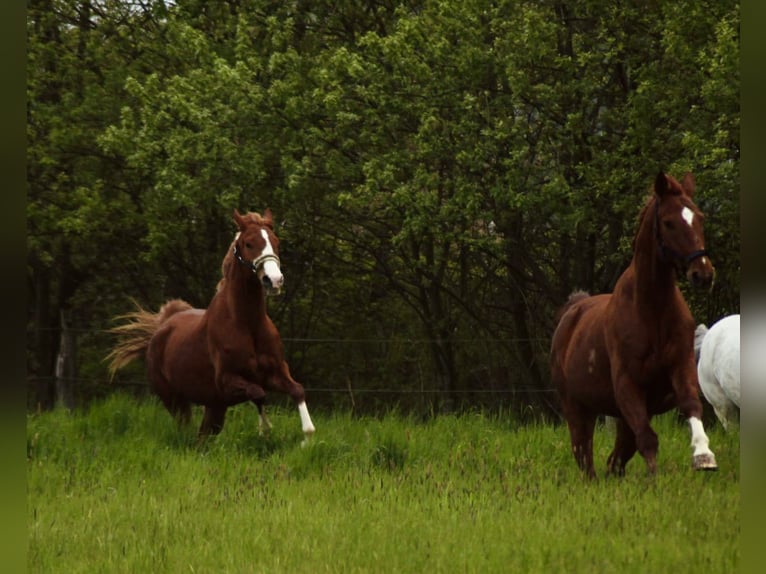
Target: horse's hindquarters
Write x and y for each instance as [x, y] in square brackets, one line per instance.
[719, 369]
[579, 362]
[178, 361]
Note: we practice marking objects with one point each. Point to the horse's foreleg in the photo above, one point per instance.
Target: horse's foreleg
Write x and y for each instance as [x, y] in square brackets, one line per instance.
[702, 457]
[306, 424]
[624, 449]
[299, 398]
[685, 384]
[286, 382]
[264, 424]
[236, 388]
[632, 404]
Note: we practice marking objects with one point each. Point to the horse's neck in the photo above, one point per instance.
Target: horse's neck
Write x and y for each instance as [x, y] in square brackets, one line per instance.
[245, 296]
[654, 277]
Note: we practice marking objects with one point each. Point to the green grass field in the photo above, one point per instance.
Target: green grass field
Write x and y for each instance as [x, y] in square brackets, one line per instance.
[121, 489]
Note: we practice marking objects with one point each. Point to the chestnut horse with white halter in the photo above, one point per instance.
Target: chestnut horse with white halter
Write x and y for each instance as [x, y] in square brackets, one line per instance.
[229, 353]
[630, 354]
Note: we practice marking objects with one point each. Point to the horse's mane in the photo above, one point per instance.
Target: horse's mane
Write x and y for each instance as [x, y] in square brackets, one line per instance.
[674, 188]
[641, 214]
[253, 217]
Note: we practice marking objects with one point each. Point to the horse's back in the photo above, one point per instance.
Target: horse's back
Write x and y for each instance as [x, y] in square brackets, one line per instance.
[181, 326]
[720, 358]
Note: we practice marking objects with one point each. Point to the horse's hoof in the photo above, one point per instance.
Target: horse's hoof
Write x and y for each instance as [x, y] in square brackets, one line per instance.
[704, 462]
[306, 439]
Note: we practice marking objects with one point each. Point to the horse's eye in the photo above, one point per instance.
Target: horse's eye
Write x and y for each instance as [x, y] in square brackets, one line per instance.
[668, 224]
[249, 245]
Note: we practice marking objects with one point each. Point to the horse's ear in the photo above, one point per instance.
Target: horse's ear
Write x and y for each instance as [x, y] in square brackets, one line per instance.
[239, 220]
[661, 184]
[268, 218]
[688, 184]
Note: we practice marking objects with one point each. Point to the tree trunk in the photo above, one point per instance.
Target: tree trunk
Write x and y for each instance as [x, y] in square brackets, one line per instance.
[42, 352]
[66, 366]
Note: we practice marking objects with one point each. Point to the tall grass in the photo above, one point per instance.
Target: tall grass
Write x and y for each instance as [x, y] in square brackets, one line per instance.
[121, 489]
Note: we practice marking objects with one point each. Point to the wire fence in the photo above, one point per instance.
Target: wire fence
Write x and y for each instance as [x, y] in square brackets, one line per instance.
[344, 340]
[372, 372]
[310, 389]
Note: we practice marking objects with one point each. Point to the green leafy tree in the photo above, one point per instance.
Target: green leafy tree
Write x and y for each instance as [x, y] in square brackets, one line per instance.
[83, 226]
[443, 173]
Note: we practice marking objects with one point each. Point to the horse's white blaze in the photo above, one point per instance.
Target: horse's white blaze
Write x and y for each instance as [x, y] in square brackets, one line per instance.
[700, 440]
[270, 267]
[308, 426]
[688, 215]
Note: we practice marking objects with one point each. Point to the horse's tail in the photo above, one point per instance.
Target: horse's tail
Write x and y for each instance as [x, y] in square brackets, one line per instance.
[574, 297]
[135, 334]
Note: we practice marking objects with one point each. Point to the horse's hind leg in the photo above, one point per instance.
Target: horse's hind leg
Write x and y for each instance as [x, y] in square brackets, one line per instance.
[581, 424]
[727, 413]
[179, 409]
[182, 412]
[212, 421]
[624, 449]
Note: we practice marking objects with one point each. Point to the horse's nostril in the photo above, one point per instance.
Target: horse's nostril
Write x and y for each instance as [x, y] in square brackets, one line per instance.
[266, 281]
[700, 279]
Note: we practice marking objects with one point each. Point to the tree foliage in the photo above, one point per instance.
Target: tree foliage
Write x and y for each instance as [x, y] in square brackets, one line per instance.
[443, 172]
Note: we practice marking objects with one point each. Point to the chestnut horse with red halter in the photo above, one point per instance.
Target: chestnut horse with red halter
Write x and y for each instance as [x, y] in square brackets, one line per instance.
[229, 353]
[630, 354]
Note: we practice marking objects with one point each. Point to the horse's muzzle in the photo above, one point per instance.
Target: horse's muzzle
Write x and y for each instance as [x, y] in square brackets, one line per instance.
[271, 287]
[701, 273]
